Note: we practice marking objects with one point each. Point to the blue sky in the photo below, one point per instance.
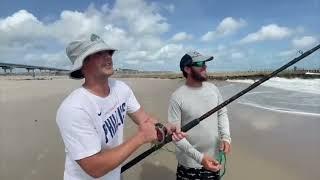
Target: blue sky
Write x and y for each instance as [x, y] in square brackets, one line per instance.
[154, 35]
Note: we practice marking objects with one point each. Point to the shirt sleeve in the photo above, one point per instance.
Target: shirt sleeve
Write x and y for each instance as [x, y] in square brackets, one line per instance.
[132, 102]
[174, 117]
[174, 112]
[223, 121]
[78, 132]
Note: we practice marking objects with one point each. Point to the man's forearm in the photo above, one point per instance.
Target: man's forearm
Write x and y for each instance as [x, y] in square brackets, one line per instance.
[107, 160]
[141, 116]
[223, 125]
[187, 148]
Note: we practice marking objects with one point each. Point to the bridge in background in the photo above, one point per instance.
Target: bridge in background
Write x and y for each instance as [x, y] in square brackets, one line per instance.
[10, 67]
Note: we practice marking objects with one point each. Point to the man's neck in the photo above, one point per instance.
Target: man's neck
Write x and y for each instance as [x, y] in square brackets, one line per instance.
[99, 87]
[193, 83]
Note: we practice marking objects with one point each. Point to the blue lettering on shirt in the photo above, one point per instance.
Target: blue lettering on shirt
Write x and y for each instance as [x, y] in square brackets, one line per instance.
[112, 123]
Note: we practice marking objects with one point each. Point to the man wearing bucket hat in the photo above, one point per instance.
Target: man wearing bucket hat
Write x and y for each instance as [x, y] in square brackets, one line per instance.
[196, 154]
[91, 118]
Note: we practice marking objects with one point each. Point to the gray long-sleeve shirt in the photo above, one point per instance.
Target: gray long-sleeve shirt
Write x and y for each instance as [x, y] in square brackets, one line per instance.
[188, 103]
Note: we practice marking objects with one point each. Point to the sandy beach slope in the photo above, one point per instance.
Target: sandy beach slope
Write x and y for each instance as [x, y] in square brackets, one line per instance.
[31, 147]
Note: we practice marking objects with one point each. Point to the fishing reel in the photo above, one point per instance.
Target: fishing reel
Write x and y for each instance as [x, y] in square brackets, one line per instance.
[162, 132]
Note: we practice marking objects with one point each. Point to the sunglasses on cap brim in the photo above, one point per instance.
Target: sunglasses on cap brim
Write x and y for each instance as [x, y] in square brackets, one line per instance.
[198, 64]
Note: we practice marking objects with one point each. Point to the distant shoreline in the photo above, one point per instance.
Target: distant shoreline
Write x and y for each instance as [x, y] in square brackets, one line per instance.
[254, 75]
[223, 75]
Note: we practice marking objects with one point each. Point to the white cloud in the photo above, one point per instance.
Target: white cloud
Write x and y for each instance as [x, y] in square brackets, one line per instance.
[181, 36]
[159, 62]
[237, 55]
[132, 62]
[230, 25]
[269, 32]
[288, 53]
[226, 27]
[136, 54]
[47, 59]
[304, 42]
[230, 53]
[162, 6]
[300, 29]
[141, 18]
[168, 52]
[105, 8]
[20, 27]
[75, 25]
[117, 37]
[134, 27]
[170, 8]
[299, 44]
[221, 47]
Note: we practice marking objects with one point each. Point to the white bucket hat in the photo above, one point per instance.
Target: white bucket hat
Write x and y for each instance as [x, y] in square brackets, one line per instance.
[77, 51]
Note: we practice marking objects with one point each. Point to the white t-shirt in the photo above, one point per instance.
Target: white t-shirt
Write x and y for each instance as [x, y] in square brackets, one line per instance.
[89, 124]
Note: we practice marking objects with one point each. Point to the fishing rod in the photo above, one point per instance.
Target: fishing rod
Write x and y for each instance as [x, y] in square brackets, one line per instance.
[195, 122]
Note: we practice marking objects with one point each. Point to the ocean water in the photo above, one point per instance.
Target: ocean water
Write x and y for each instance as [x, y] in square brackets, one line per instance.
[297, 96]
[278, 121]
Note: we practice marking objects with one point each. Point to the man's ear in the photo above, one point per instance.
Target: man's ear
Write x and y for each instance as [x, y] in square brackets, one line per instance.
[187, 69]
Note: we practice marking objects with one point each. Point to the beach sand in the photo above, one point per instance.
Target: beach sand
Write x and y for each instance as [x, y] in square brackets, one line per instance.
[266, 144]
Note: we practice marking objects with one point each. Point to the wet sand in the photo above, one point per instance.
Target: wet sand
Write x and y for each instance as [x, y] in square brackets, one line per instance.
[266, 144]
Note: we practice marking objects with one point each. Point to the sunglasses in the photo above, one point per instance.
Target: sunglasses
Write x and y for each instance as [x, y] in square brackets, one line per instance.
[105, 52]
[199, 64]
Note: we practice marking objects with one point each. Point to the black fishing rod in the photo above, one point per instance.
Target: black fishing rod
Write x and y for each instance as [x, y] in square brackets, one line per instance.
[195, 122]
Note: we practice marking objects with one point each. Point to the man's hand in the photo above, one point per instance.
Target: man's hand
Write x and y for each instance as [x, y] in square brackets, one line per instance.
[176, 132]
[225, 147]
[147, 131]
[210, 164]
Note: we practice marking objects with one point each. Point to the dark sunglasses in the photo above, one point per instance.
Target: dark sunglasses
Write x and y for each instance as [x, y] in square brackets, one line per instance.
[105, 52]
[199, 64]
